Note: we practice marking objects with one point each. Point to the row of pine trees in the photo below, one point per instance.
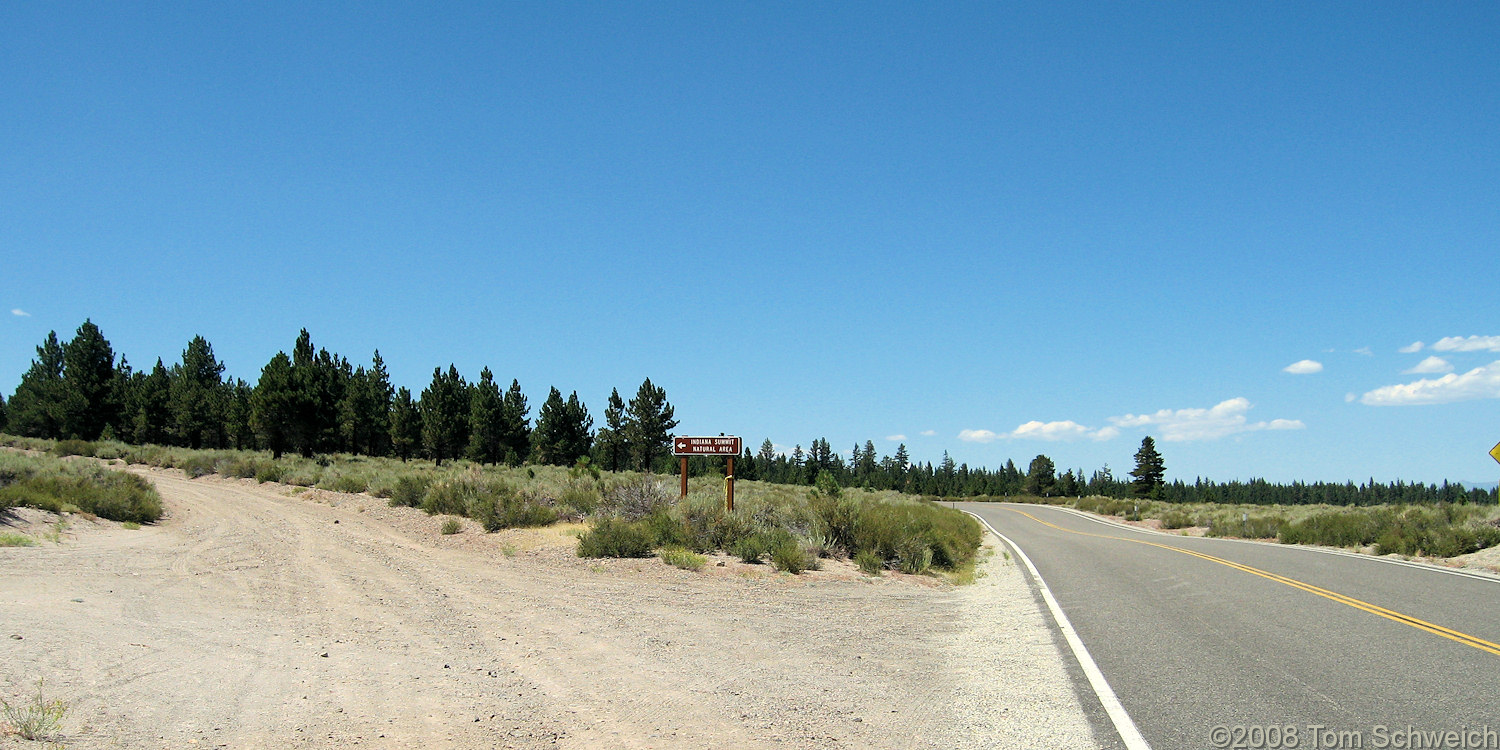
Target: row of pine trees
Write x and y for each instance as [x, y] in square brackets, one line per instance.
[313, 401]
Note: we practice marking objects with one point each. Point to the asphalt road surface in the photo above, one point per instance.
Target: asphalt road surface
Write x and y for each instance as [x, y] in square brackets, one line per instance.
[1212, 643]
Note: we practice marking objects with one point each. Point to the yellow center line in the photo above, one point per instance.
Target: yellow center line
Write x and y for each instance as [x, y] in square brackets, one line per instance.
[1374, 609]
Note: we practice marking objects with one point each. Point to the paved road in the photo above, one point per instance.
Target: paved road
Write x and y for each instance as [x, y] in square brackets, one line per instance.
[1190, 643]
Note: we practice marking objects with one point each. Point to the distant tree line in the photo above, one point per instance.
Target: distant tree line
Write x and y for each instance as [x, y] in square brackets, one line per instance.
[866, 468]
[314, 401]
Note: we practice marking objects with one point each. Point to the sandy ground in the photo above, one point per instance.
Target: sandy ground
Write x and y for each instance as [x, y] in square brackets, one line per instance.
[255, 617]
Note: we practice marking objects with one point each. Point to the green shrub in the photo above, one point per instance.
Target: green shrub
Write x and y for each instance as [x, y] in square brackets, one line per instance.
[1352, 528]
[683, 558]
[635, 499]
[1241, 524]
[345, 483]
[452, 526]
[61, 486]
[34, 719]
[581, 493]
[270, 472]
[913, 555]
[241, 467]
[450, 497]
[200, 465]
[751, 548]
[668, 530]
[130, 526]
[303, 475]
[869, 563]
[73, 448]
[788, 556]
[1176, 519]
[409, 491]
[12, 539]
[615, 537]
[827, 484]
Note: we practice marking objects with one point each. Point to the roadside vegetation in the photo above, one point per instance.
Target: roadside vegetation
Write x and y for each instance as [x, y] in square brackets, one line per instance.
[48, 482]
[630, 514]
[1435, 530]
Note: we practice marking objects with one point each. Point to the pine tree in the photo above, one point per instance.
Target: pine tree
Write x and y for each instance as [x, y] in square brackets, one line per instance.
[485, 407]
[1149, 470]
[609, 446]
[37, 407]
[444, 407]
[88, 384]
[648, 425]
[900, 465]
[547, 439]
[1067, 484]
[306, 423]
[355, 409]
[4, 417]
[1040, 478]
[275, 406]
[767, 453]
[239, 433]
[579, 429]
[563, 431]
[406, 425]
[515, 426]
[378, 388]
[197, 397]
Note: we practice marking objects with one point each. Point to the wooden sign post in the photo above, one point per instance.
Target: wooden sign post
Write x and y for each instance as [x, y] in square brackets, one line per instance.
[729, 447]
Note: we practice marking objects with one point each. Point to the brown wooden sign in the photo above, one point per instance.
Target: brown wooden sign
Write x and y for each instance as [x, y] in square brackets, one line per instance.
[728, 447]
[706, 446]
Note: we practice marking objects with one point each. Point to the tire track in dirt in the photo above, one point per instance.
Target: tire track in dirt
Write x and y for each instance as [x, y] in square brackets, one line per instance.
[252, 617]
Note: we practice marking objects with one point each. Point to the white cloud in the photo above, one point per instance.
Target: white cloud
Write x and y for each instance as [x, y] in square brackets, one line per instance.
[1365, 350]
[1225, 418]
[895, 438]
[927, 433]
[1349, 398]
[1066, 430]
[18, 312]
[1430, 366]
[1470, 344]
[1480, 382]
[1303, 367]
[1412, 348]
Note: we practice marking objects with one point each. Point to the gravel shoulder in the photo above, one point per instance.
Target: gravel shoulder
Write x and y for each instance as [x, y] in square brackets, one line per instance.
[253, 616]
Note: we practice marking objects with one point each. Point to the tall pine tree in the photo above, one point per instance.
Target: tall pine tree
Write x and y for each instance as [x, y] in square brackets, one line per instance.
[378, 387]
[276, 406]
[609, 446]
[563, 430]
[406, 425]
[515, 426]
[37, 407]
[445, 415]
[197, 397]
[1149, 470]
[485, 406]
[648, 425]
[1040, 479]
[88, 387]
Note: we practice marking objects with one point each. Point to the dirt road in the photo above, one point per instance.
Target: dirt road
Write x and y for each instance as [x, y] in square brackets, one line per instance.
[251, 617]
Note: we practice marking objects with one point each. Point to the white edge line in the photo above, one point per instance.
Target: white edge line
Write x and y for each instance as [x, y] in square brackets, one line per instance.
[1476, 575]
[1124, 725]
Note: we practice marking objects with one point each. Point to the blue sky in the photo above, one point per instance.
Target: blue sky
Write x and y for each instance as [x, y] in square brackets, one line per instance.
[853, 221]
